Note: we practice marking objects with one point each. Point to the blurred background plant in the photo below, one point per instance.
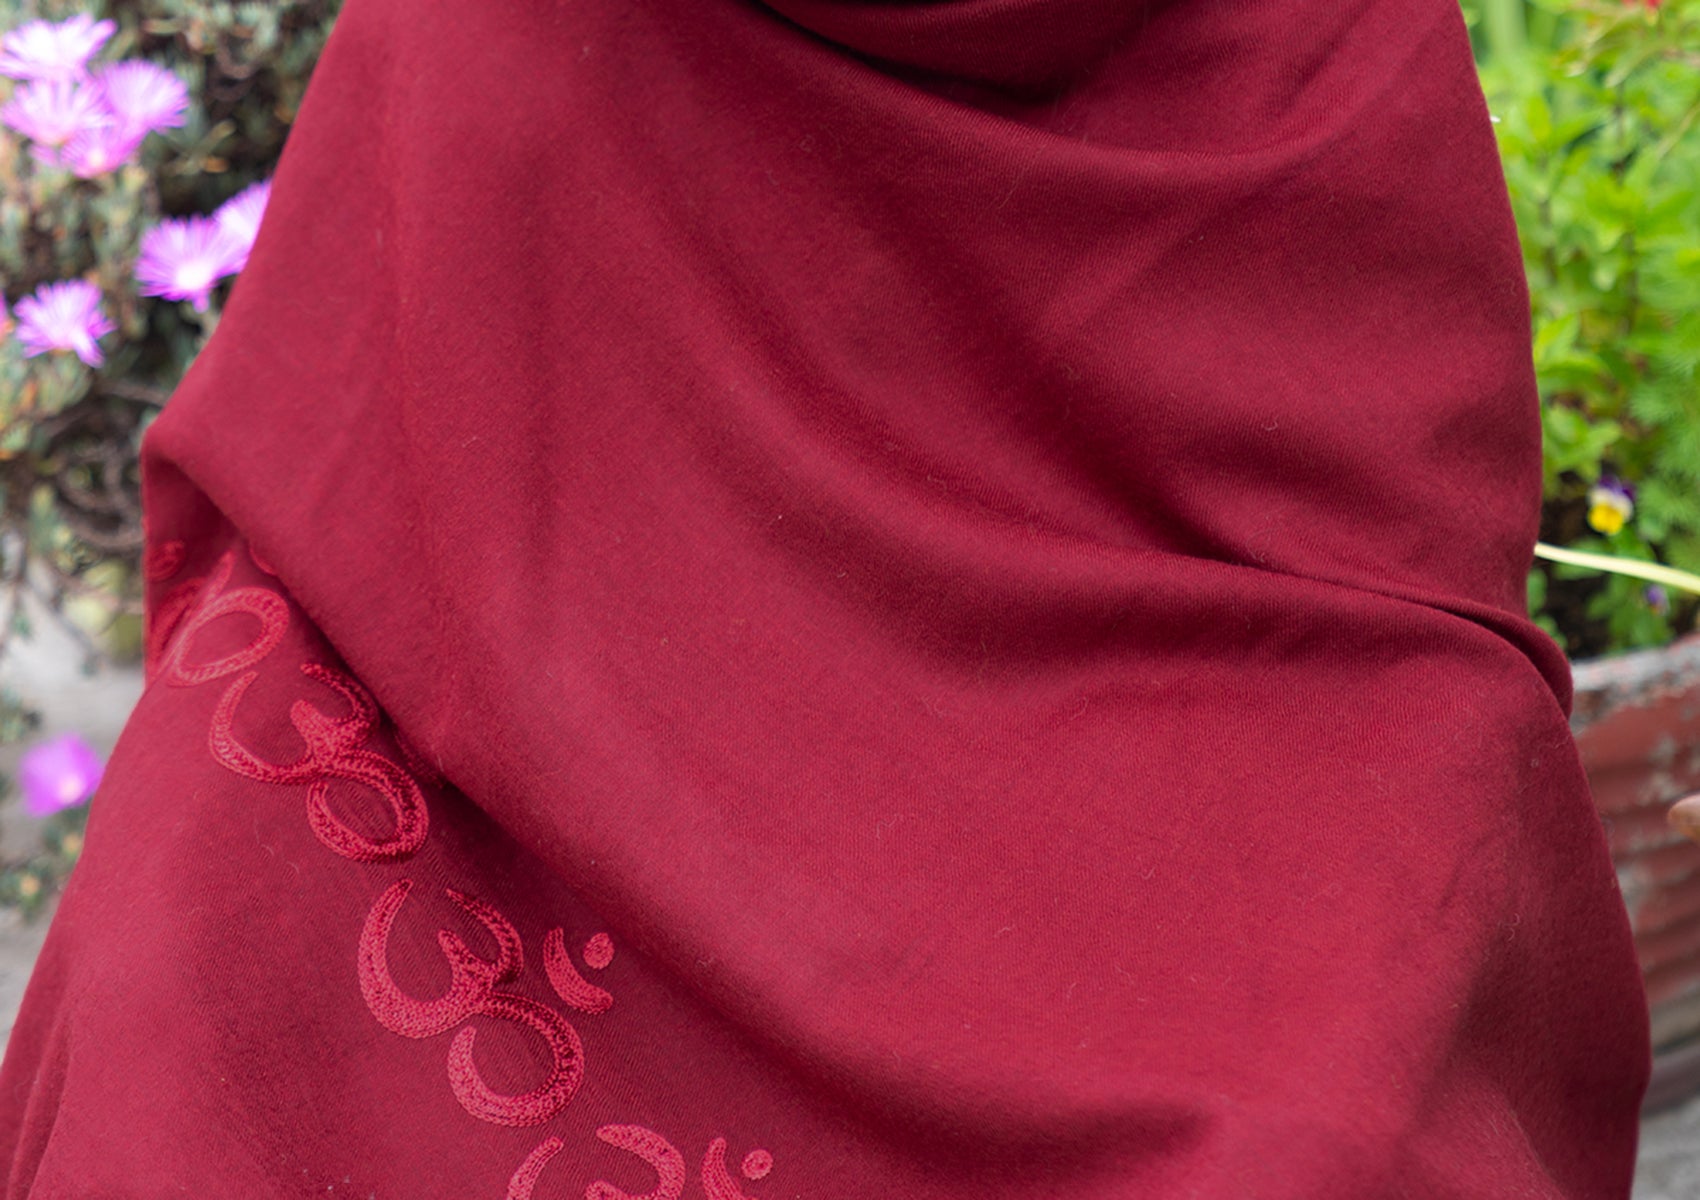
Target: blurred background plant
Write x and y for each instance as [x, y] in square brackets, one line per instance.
[136, 139]
[1596, 104]
[70, 517]
[56, 777]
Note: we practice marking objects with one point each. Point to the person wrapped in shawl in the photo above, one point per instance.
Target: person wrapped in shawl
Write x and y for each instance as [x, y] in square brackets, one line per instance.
[840, 599]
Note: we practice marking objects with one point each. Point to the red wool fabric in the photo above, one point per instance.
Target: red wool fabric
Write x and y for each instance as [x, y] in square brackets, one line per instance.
[838, 599]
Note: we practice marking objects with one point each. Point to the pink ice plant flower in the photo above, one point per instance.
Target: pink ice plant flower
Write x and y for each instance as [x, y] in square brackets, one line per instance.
[240, 216]
[142, 97]
[50, 112]
[181, 259]
[100, 150]
[63, 316]
[95, 125]
[45, 50]
[61, 772]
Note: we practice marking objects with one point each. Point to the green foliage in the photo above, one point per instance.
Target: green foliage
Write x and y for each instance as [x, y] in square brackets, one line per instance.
[69, 434]
[1597, 111]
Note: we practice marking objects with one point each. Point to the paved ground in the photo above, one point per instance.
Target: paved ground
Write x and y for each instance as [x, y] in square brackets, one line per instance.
[1670, 1155]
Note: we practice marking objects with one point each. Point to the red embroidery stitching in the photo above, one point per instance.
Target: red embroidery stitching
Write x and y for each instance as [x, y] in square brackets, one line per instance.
[510, 954]
[661, 1156]
[266, 606]
[471, 992]
[667, 1163]
[569, 985]
[471, 978]
[525, 1178]
[340, 732]
[566, 1070]
[332, 753]
[162, 561]
[757, 1163]
[716, 1181]
[334, 750]
[599, 951]
[162, 620]
[407, 807]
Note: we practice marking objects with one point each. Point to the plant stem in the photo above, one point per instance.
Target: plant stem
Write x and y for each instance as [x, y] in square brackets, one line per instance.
[1633, 567]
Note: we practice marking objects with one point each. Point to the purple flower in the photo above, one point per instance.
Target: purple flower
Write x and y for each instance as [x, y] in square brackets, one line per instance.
[51, 112]
[63, 316]
[1611, 483]
[240, 215]
[43, 50]
[98, 151]
[1657, 598]
[142, 96]
[183, 259]
[61, 772]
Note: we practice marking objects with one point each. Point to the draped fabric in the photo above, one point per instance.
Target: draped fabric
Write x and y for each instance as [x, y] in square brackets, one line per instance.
[844, 599]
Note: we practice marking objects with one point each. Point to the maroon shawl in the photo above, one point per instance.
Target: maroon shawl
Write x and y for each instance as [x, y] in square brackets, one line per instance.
[849, 599]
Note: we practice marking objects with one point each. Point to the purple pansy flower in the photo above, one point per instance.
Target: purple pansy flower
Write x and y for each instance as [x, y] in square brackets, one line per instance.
[1657, 598]
[45, 50]
[98, 151]
[183, 259]
[51, 112]
[143, 97]
[63, 316]
[240, 216]
[61, 772]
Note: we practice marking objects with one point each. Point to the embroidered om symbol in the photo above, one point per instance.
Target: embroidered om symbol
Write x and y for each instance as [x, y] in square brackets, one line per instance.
[334, 745]
[661, 1156]
[333, 752]
[197, 604]
[471, 992]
